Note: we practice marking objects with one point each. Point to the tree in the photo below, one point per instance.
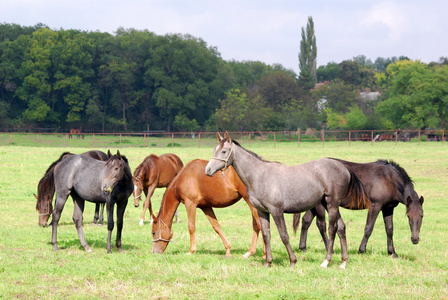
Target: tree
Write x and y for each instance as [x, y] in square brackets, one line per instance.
[307, 56]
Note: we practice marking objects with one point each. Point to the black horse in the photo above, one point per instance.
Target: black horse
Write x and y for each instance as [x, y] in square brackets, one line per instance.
[45, 190]
[386, 184]
[85, 178]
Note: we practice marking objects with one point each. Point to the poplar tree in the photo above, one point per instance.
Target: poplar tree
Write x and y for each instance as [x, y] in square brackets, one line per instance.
[307, 56]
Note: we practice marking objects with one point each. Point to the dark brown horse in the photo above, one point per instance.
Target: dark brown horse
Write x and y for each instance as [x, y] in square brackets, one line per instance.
[154, 172]
[77, 132]
[196, 190]
[45, 189]
[275, 189]
[387, 185]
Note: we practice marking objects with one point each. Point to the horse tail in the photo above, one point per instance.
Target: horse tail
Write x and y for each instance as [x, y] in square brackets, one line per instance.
[45, 188]
[356, 193]
[296, 222]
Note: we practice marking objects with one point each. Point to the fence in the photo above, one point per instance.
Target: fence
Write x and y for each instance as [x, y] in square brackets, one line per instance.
[208, 139]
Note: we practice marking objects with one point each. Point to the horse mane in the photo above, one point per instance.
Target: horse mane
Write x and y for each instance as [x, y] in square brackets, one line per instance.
[148, 161]
[404, 175]
[63, 155]
[250, 152]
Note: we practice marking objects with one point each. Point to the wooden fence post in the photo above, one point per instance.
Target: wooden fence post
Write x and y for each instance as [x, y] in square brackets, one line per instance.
[93, 141]
[199, 140]
[298, 137]
[274, 140]
[172, 140]
[144, 140]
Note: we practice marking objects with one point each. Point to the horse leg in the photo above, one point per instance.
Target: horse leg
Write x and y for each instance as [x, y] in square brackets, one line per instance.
[279, 219]
[121, 208]
[266, 232]
[147, 204]
[372, 215]
[191, 214]
[96, 216]
[306, 223]
[110, 221]
[256, 225]
[58, 207]
[208, 211]
[343, 240]
[332, 228]
[77, 219]
[176, 214]
[101, 219]
[388, 215]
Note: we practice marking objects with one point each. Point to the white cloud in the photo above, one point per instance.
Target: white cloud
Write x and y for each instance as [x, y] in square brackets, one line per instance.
[387, 14]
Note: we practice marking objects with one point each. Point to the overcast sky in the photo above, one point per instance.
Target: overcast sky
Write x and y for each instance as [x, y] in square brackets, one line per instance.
[268, 31]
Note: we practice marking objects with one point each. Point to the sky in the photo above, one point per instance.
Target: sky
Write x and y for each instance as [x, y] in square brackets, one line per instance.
[266, 31]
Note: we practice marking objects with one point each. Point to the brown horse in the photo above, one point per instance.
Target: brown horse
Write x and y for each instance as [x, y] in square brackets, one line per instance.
[46, 189]
[193, 188]
[77, 132]
[154, 172]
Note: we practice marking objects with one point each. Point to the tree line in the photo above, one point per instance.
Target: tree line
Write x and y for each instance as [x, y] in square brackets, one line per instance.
[135, 80]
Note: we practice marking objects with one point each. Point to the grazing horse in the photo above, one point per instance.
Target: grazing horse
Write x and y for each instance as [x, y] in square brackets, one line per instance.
[194, 189]
[45, 190]
[85, 178]
[77, 132]
[275, 189]
[154, 172]
[383, 137]
[387, 184]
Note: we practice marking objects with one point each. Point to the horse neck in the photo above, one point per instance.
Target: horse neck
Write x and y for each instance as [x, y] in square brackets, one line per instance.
[246, 165]
[169, 206]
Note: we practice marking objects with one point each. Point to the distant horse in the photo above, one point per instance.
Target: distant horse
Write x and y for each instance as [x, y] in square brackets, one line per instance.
[365, 137]
[154, 172]
[85, 178]
[196, 190]
[77, 132]
[387, 184]
[45, 189]
[383, 137]
[275, 189]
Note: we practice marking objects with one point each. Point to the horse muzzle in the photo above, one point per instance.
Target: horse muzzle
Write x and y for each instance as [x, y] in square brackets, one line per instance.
[415, 240]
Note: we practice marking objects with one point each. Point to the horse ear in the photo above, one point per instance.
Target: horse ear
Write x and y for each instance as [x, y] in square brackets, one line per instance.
[35, 196]
[219, 137]
[154, 218]
[227, 137]
[408, 201]
[109, 155]
[421, 199]
[118, 154]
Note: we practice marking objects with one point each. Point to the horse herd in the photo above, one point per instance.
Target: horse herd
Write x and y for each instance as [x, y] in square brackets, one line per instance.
[269, 189]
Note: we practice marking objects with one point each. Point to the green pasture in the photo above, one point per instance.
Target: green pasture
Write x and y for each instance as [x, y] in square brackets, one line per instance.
[29, 268]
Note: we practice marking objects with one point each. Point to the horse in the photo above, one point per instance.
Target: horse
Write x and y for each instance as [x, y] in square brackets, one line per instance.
[85, 178]
[194, 189]
[45, 190]
[387, 184]
[154, 172]
[77, 132]
[275, 189]
[383, 137]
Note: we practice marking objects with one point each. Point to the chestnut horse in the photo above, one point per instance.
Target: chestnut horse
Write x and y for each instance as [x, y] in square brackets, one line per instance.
[387, 184]
[154, 172]
[193, 188]
[45, 189]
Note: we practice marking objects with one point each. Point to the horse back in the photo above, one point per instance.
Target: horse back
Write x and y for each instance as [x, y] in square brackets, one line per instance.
[217, 191]
[167, 166]
[381, 182]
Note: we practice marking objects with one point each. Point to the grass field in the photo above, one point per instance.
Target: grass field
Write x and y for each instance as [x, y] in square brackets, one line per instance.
[29, 268]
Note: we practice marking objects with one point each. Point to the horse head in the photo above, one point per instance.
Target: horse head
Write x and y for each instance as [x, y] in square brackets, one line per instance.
[161, 235]
[114, 173]
[44, 207]
[414, 211]
[222, 155]
[138, 188]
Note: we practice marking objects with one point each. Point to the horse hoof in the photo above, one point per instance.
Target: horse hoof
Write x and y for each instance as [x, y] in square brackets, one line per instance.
[266, 264]
[325, 264]
[141, 222]
[247, 255]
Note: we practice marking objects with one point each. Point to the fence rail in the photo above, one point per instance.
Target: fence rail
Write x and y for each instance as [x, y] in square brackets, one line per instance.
[208, 139]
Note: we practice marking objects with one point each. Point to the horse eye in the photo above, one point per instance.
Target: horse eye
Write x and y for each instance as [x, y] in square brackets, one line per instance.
[153, 233]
